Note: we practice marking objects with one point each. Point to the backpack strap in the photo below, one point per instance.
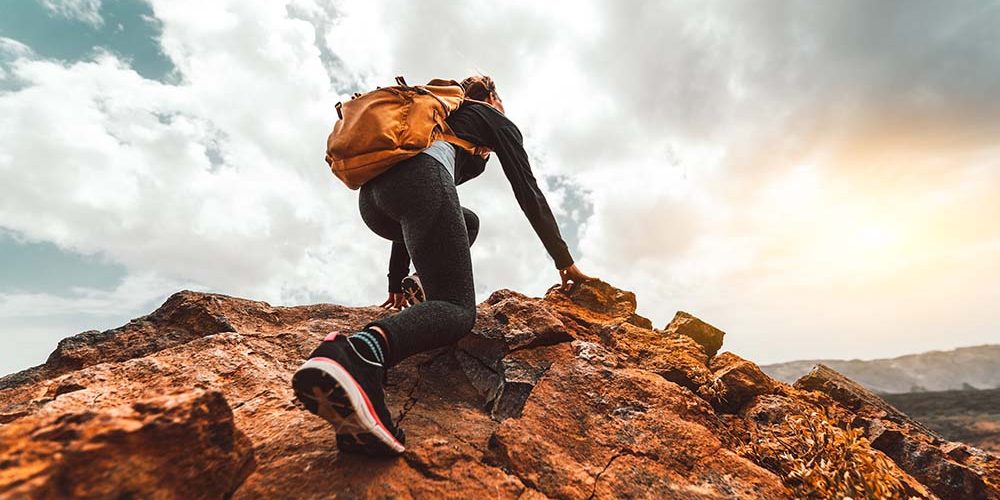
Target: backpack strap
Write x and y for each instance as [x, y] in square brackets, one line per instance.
[446, 133]
[480, 151]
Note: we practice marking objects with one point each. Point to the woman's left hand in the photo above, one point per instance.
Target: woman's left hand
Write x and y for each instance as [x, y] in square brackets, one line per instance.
[396, 300]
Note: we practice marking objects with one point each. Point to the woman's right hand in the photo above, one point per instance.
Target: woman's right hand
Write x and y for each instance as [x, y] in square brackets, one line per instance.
[396, 300]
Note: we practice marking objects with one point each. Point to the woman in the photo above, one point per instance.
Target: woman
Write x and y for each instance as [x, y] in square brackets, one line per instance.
[415, 205]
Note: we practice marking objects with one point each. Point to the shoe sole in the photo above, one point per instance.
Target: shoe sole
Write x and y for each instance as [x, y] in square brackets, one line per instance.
[412, 291]
[326, 389]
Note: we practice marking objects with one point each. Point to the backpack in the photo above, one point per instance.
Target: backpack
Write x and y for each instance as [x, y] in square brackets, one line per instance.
[378, 129]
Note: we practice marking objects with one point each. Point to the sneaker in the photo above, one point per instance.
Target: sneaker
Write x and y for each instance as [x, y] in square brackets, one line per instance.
[413, 290]
[345, 389]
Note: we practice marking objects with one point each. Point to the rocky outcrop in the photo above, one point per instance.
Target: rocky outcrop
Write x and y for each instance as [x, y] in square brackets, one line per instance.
[182, 446]
[564, 396]
[706, 335]
[950, 470]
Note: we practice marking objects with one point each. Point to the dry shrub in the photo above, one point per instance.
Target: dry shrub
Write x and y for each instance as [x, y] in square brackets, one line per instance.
[714, 391]
[817, 459]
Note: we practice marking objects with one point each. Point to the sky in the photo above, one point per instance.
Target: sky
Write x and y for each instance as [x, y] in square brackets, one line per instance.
[817, 179]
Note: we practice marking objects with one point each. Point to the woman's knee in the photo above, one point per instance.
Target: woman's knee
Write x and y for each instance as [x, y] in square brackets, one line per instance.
[468, 318]
[464, 317]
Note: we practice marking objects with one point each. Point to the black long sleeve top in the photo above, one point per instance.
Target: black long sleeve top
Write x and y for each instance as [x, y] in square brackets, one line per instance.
[483, 125]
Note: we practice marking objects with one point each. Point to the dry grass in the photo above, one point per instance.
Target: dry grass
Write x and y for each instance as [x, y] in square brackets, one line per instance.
[817, 459]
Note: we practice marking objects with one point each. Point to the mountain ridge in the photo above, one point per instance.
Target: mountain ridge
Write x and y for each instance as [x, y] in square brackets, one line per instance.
[963, 368]
[570, 395]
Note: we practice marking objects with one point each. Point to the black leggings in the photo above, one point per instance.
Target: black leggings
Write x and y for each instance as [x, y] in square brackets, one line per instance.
[416, 202]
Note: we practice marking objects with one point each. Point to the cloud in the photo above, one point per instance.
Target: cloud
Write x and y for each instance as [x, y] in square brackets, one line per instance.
[31, 324]
[216, 180]
[788, 170]
[11, 49]
[87, 11]
[135, 291]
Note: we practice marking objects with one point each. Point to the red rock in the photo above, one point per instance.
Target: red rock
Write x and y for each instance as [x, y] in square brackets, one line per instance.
[735, 382]
[918, 450]
[676, 358]
[706, 335]
[570, 394]
[168, 447]
[594, 304]
[589, 430]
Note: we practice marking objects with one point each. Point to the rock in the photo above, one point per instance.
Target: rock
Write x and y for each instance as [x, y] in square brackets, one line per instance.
[799, 424]
[593, 431]
[594, 304]
[735, 382]
[676, 358]
[513, 321]
[853, 396]
[171, 446]
[706, 335]
[569, 395]
[915, 448]
[494, 358]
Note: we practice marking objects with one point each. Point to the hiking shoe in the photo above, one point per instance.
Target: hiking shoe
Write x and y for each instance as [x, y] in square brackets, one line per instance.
[413, 290]
[345, 389]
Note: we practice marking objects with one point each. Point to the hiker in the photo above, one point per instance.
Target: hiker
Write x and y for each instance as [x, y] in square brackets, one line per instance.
[415, 204]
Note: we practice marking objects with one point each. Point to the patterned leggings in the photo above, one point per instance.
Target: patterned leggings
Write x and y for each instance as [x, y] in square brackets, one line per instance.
[416, 201]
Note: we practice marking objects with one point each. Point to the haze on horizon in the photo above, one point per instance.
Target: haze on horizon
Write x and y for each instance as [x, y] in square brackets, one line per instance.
[818, 179]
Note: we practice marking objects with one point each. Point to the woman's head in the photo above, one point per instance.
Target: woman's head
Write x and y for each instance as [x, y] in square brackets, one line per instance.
[482, 88]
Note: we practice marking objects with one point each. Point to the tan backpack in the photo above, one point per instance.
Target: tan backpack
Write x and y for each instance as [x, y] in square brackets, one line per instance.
[389, 124]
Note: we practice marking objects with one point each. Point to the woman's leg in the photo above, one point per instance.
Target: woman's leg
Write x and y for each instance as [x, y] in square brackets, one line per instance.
[422, 197]
[342, 380]
[471, 224]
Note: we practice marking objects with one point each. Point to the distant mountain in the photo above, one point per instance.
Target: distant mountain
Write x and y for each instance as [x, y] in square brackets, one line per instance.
[965, 368]
[971, 417]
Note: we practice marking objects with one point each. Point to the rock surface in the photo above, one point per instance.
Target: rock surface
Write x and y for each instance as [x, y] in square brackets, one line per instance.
[706, 335]
[950, 470]
[169, 446]
[563, 396]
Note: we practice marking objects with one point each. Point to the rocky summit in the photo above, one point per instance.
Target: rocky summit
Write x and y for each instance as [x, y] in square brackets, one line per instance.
[564, 396]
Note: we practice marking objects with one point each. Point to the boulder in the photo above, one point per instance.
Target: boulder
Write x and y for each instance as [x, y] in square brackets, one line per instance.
[706, 335]
[176, 446]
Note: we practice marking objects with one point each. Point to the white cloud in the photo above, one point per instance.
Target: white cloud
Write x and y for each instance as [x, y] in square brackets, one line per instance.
[784, 169]
[135, 291]
[11, 49]
[88, 11]
[31, 324]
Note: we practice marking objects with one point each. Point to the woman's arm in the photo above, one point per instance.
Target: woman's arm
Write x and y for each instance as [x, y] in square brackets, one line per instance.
[399, 266]
[481, 124]
[514, 160]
